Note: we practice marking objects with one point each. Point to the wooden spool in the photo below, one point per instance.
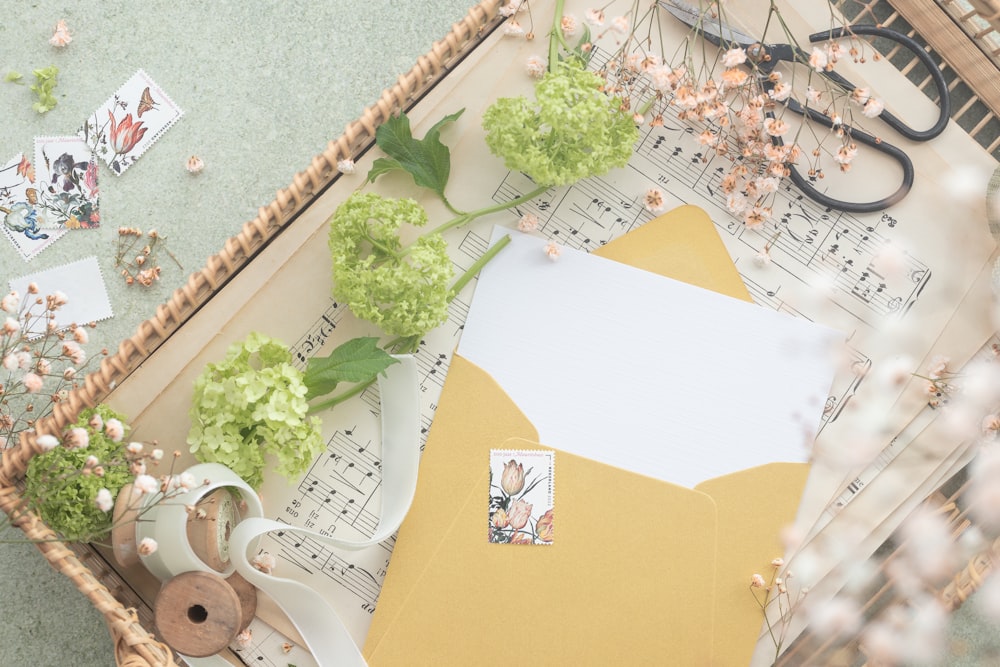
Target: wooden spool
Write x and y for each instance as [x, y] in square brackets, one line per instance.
[209, 534]
[247, 593]
[198, 614]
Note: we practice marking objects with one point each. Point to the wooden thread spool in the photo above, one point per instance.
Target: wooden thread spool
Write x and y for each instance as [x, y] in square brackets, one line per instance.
[198, 614]
[247, 593]
[209, 527]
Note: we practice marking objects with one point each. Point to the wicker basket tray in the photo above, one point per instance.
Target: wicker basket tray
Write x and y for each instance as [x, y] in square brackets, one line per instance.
[971, 67]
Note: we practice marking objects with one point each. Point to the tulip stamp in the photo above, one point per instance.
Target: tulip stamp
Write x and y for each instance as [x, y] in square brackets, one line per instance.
[67, 191]
[522, 500]
[130, 121]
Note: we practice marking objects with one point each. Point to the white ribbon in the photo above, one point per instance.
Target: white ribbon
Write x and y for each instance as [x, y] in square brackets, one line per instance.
[324, 633]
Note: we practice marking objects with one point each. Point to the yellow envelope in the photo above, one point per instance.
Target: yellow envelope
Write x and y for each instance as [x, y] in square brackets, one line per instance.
[640, 572]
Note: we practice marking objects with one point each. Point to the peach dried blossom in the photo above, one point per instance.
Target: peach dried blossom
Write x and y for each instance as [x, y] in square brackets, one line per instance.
[733, 78]
[114, 429]
[653, 201]
[264, 562]
[594, 17]
[60, 36]
[104, 501]
[553, 250]
[734, 57]
[527, 223]
[775, 127]
[10, 302]
[194, 165]
[569, 25]
[513, 29]
[818, 59]
[757, 581]
[47, 442]
[620, 24]
[536, 66]
[147, 546]
[873, 107]
[32, 383]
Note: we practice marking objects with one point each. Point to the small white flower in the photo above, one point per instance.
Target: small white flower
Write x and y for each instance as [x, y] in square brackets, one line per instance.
[873, 107]
[134, 448]
[594, 17]
[762, 258]
[157, 454]
[264, 562]
[10, 303]
[818, 59]
[345, 166]
[146, 484]
[147, 546]
[47, 442]
[513, 29]
[78, 438]
[11, 326]
[114, 429]
[187, 481]
[104, 500]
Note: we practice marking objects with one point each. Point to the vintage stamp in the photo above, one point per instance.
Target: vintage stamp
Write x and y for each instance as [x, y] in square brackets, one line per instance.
[67, 184]
[522, 496]
[130, 122]
[18, 211]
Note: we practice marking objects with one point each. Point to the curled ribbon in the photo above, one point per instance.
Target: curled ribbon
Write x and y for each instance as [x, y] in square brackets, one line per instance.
[324, 633]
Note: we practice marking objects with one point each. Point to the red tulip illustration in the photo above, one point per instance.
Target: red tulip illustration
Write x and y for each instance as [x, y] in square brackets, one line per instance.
[124, 136]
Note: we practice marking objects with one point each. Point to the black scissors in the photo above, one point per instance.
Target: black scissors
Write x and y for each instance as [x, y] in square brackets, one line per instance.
[767, 56]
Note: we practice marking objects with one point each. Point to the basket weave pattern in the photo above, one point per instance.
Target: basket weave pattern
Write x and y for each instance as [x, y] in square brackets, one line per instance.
[134, 645]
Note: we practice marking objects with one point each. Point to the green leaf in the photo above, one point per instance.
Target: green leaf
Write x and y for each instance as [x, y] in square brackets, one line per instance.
[427, 160]
[45, 83]
[381, 166]
[357, 360]
[13, 77]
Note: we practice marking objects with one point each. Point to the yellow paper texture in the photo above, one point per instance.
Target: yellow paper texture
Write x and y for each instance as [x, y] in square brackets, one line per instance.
[640, 570]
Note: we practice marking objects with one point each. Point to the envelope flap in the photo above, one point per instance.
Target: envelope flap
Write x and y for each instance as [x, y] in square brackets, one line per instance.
[683, 244]
[616, 586]
[753, 506]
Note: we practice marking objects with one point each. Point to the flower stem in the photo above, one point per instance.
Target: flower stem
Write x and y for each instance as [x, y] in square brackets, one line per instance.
[472, 215]
[340, 398]
[471, 272]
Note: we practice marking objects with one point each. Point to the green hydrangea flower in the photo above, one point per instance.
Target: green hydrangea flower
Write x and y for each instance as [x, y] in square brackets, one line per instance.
[64, 498]
[404, 291]
[573, 130]
[251, 404]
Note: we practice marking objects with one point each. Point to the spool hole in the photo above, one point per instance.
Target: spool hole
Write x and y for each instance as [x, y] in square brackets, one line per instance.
[197, 614]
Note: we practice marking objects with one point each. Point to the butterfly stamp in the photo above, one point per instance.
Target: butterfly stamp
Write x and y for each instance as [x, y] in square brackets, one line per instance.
[130, 122]
[522, 498]
[67, 192]
[18, 211]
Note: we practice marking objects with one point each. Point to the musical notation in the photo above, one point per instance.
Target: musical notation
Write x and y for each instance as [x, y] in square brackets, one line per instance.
[315, 337]
[270, 648]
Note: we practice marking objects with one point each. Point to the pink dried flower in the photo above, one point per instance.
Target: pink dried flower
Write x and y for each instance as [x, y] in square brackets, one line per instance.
[243, 639]
[32, 382]
[873, 107]
[10, 303]
[536, 67]
[96, 422]
[194, 165]
[60, 37]
[818, 59]
[264, 562]
[345, 166]
[134, 448]
[594, 17]
[81, 336]
[734, 57]
[77, 438]
[569, 25]
[775, 127]
[653, 200]
[757, 581]
[513, 29]
[527, 223]
[11, 326]
[553, 250]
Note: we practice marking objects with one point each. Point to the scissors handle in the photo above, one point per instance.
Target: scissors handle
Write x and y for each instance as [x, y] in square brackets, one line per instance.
[944, 98]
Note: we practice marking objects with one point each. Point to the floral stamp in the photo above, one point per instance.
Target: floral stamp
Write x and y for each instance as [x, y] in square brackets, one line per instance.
[66, 173]
[522, 500]
[18, 211]
[127, 124]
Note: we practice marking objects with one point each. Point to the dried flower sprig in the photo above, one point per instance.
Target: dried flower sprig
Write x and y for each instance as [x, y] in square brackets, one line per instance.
[774, 591]
[39, 362]
[140, 264]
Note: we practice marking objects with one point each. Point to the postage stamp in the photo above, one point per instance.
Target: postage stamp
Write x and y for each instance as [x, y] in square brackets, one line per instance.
[83, 285]
[130, 122]
[18, 211]
[522, 496]
[67, 184]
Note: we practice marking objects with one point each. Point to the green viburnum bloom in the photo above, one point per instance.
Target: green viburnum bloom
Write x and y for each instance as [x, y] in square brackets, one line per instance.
[250, 404]
[404, 291]
[64, 497]
[573, 130]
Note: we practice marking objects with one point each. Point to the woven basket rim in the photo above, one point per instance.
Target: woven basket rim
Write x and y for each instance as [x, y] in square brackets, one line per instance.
[135, 646]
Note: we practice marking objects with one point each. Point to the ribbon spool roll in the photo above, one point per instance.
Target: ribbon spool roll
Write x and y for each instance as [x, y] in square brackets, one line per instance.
[209, 527]
[197, 613]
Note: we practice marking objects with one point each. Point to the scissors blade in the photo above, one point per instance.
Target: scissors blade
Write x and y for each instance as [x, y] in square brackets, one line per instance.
[715, 30]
